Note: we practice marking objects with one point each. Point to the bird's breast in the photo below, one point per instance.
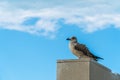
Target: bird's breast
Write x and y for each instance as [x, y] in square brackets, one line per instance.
[74, 51]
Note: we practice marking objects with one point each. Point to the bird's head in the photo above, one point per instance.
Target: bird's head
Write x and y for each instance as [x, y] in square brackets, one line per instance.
[72, 39]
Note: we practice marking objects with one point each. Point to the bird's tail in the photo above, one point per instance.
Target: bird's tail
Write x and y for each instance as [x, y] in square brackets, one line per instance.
[99, 57]
[96, 58]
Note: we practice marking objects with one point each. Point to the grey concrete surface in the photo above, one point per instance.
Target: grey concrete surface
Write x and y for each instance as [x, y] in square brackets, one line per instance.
[83, 69]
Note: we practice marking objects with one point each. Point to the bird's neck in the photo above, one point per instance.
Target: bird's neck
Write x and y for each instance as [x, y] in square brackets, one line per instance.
[73, 43]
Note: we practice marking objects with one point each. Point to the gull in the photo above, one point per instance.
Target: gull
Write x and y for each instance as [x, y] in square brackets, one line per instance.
[80, 50]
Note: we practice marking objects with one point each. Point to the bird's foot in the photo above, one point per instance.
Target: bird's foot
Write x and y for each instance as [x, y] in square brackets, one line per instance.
[79, 57]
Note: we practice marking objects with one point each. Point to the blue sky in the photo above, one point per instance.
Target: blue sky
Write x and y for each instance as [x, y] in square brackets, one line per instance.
[33, 35]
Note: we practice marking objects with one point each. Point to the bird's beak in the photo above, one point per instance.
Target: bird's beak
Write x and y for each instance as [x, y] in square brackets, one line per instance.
[68, 39]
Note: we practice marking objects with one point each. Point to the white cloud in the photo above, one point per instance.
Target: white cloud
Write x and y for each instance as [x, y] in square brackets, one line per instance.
[89, 15]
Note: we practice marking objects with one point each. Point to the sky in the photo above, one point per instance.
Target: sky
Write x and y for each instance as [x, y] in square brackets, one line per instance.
[33, 35]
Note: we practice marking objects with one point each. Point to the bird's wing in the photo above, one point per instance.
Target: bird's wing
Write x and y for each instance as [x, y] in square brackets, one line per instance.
[84, 49]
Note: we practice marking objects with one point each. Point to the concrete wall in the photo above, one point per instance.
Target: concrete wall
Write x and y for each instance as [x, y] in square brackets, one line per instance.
[83, 69]
[116, 76]
[99, 72]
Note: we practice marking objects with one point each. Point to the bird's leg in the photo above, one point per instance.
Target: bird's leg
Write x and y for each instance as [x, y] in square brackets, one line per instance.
[79, 57]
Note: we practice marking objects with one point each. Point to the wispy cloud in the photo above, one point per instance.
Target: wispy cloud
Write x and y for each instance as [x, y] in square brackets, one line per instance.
[89, 15]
